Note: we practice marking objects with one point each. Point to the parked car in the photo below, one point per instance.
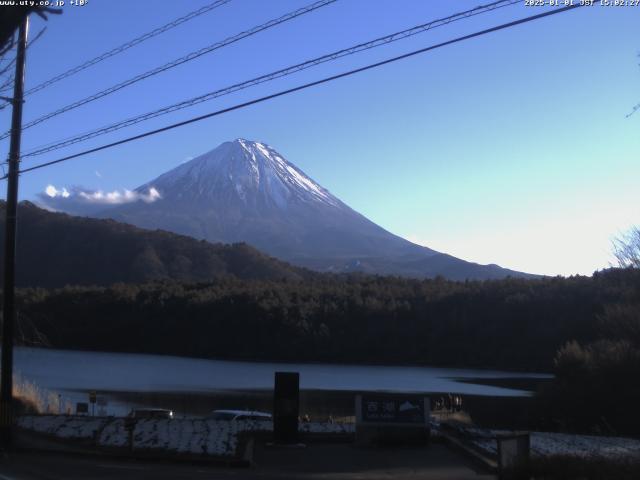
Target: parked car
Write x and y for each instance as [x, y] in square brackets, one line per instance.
[155, 413]
[238, 415]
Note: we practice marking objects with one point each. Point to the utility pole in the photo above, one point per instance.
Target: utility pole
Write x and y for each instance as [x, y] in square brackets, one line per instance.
[8, 310]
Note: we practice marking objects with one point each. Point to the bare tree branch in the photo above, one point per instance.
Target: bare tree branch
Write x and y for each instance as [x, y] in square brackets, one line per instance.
[635, 107]
[626, 249]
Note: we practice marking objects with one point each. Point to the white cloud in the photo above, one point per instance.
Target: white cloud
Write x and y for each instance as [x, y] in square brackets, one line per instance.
[118, 197]
[54, 192]
[98, 174]
[85, 201]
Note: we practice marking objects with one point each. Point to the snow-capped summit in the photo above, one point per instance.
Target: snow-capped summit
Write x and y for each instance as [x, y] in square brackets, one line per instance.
[252, 171]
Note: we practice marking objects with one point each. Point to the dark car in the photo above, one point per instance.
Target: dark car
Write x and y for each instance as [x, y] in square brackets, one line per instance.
[155, 413]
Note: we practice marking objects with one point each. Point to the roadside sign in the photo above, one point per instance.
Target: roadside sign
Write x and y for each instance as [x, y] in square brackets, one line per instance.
[392, 419]
[82, 408]
[400, 409]
[92, 396]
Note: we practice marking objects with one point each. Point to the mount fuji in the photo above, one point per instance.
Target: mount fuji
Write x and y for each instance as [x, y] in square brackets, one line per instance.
[245, 191]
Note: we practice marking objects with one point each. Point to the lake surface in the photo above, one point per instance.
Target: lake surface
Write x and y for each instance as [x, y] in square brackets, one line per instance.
[73, 373]
[78, 370]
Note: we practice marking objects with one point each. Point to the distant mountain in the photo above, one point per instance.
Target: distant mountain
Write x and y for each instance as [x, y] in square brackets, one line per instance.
[245, 191]
[55, 249]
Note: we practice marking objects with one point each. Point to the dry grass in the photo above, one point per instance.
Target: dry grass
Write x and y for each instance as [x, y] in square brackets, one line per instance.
[38, 399]
[447, 416]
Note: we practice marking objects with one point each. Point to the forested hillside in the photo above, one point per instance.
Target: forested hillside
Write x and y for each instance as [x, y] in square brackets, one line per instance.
[512, 324]
[55, 249]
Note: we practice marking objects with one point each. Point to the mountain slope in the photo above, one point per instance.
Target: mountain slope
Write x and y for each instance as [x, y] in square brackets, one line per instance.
[245, 191]
[56, 249]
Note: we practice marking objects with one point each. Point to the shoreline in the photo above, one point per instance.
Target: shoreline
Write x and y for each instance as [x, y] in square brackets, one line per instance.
[486, 411]
[489, 369]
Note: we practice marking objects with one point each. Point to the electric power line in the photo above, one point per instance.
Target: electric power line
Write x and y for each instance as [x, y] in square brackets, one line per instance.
[179, 61]
[303, 87]
[7, 84]
[127, 45]
[269, 77]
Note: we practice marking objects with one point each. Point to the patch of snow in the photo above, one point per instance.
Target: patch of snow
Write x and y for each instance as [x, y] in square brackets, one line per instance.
[196, 436]
[549, 444]
[63, 426]
[306, 183]
[274, 164]
[240, 191]
[263, 150]
[114, 434]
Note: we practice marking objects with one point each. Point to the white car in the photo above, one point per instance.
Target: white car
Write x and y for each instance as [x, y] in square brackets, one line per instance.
[238, 415]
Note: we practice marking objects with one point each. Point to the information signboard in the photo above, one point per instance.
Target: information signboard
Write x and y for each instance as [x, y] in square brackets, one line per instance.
[392, 419]
[403, 409]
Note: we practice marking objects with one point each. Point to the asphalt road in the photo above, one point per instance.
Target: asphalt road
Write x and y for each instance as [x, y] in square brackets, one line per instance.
[436, 462]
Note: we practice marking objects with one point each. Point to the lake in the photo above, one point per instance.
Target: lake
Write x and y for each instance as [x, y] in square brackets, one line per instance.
[73, 373]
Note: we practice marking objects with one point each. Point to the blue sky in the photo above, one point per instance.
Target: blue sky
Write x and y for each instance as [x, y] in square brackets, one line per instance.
[512, 148]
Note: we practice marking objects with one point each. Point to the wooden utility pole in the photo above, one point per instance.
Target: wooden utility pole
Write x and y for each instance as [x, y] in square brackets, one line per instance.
[8, 310]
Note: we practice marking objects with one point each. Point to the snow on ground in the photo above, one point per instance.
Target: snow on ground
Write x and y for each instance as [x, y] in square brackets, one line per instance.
[193, 436]
[62, 426]
[548, 444]
[114, 434]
